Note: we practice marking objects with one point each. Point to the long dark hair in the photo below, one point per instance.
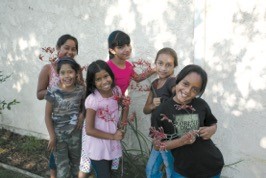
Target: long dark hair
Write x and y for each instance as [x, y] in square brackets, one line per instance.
[197, 69]
[117, 38]
[92, 69]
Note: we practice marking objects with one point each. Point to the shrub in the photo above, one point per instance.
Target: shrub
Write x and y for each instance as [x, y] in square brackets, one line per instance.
[6, 104]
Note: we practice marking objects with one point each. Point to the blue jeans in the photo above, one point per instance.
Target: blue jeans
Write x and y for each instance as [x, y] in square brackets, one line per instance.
[102, 168]
[52, 164]
[156, 159]
[177, 175]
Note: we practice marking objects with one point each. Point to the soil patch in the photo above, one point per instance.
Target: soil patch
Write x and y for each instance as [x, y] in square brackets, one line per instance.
[24, 152]
[31, 154]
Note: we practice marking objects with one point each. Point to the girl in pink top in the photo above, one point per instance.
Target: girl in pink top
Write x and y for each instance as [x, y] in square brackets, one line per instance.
[102, 117]
[119, 52]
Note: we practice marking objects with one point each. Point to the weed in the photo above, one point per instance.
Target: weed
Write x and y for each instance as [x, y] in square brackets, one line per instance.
[30, 144]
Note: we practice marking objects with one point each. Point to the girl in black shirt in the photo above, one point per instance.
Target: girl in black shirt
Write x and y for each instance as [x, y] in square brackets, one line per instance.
[189, 124]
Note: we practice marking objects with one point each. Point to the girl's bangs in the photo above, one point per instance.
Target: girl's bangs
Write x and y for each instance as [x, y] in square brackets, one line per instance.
[122, 39]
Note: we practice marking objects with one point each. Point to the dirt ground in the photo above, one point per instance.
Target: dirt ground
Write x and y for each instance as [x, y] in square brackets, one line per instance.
[30, 154]
[23, 152]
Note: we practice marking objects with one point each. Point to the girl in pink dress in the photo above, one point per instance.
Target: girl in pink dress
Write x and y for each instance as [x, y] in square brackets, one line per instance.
[102, 144]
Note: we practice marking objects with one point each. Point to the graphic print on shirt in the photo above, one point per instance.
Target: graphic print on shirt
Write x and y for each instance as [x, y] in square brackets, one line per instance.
[184, 123]
[106, 115]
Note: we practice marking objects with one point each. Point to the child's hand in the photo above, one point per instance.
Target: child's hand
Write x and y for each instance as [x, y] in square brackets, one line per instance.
[119, 135]
[189, 137]
[156, 144]
[156, 101]
[123, 132]
[51, 144]
[153, 70]
[80, 122]
[206, 132]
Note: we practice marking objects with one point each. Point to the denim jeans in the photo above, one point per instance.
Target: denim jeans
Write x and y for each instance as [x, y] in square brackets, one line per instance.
[177, 175]
[156, 159]
[102, 168]
[52, 164]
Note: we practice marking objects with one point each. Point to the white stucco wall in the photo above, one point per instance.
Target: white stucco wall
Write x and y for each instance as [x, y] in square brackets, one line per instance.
[235, 60]
[226, 37]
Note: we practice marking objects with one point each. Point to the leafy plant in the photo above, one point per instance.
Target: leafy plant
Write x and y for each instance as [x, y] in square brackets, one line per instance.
[3, 78]
[134, 160]
[30, 144]
[6, 104]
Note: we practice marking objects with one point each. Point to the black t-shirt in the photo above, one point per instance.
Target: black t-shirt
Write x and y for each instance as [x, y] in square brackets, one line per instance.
[165, 93]
[201, 159]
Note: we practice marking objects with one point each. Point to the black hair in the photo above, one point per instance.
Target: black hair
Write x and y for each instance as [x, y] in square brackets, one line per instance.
[197, 69]
[117, 38]
[67, 60]
[170, 52]
[61, 41]
[92, 69]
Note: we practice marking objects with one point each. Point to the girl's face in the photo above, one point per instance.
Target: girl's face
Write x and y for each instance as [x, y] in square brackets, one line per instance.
[103, 81]
[188, 88]
[67, 76]
[67, 49]
[122, 52]
[165, 65]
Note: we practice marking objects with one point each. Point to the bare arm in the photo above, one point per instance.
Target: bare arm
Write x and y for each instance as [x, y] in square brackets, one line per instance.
[207, 132]
[49, 125]
[81, 114]
[151, 103]
[186, 139]
[92, 131]
[43, 82]
[143, 76]
[124, 114]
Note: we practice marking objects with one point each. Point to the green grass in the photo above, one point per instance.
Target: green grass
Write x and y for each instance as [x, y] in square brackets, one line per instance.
[30, 144]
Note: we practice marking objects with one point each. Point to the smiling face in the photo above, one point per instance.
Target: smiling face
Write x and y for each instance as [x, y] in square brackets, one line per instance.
[67, 76]
[122, 52]
[188, 88]
[164, 65]
[67, 49]
[103, 82]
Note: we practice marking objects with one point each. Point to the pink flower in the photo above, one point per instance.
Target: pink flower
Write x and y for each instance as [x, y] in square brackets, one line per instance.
[157, 134]
[103, 113]
[132, 117]
[145, 67]
[123, 101]
[185, 107]
[48, 53]
[41, 57]
[164, 117]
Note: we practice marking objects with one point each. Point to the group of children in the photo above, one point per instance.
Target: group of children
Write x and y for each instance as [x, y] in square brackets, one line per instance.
[73, 105]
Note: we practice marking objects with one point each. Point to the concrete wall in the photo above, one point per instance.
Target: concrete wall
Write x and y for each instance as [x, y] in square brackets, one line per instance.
[226, 37]
[235, 60]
